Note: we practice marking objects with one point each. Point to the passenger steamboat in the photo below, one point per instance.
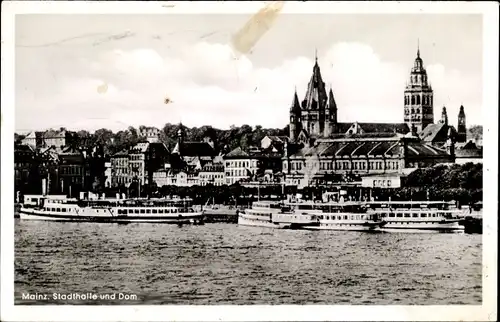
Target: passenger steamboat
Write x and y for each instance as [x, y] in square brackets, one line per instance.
[310, 216]
[174, 211]
[437, 216]
[337, 216]
[260, 214]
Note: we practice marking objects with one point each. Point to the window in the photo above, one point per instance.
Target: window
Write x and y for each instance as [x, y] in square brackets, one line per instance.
[399, 215]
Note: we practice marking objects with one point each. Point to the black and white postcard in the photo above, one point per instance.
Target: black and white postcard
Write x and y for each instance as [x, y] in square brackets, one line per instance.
[249, 161]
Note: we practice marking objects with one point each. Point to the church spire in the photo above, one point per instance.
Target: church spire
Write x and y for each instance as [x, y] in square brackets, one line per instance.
[418, 47]
[295, 103]
[444, 116]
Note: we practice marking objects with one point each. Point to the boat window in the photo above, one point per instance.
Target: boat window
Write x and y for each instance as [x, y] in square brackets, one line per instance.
[399, 215]
[415, 215]
[136, 211]
[345, 217]
[63, 209]
[148, 211]
[424, 215]
[155, 211]
[143, 211]
[119, 211]
[392, 215]
[407, 215]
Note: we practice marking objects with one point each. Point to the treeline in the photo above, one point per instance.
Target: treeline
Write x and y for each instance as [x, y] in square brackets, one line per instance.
[243, 136]
[475, 132]
[459, 182]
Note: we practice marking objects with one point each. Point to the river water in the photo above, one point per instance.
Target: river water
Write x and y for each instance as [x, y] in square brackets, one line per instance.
[230, 264]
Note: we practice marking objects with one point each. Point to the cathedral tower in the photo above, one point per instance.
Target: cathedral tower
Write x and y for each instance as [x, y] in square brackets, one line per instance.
[418, 108]
[295, 118]
[331, 115]
[314, 104]
[444, 116]
[461, 126]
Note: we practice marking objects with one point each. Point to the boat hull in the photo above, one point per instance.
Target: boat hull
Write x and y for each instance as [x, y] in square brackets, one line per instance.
[406, 226]
[245, 221]
[187, 218]
[351, 226]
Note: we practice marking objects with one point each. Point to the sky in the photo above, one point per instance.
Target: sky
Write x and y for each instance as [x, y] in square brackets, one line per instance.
[114, 71]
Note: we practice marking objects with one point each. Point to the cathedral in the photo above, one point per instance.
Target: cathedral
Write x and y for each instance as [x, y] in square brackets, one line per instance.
[320, 146]
[315, 117]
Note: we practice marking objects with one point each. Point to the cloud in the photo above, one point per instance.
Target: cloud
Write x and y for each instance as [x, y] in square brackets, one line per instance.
[209, 84]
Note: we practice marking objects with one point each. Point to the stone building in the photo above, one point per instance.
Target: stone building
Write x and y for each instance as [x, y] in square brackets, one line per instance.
[188, 150]
[316, 116]
[24, 156]
[468, 152]
[50, 138]
[418, 98]
[137, 162]
[74, 173]
[120, 169]
[321, 163]
[437, 134]
[240, 165]
[150, 134]
[212, 174]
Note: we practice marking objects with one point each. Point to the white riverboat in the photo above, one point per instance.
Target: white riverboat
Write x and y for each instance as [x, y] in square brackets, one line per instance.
[431, 216]
[260, 214]
[175, 211]
[337, 216]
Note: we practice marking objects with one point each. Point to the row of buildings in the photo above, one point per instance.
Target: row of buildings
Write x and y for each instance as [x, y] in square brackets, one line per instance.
[317, 150]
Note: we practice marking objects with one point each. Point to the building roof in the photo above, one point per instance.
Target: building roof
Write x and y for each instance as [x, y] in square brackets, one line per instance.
[270, 152]
[424, 149]
[140, 147]
[237, 153]
[121, 154]
[469, 150]
[436, 132]
[375, 147]
[49, 134]
[401, 128]
[278, 138]
[23, 148]
[316, 92]
[70, 150]
[192, 149]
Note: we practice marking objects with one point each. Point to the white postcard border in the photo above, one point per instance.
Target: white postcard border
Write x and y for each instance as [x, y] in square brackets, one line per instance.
[487, 311]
